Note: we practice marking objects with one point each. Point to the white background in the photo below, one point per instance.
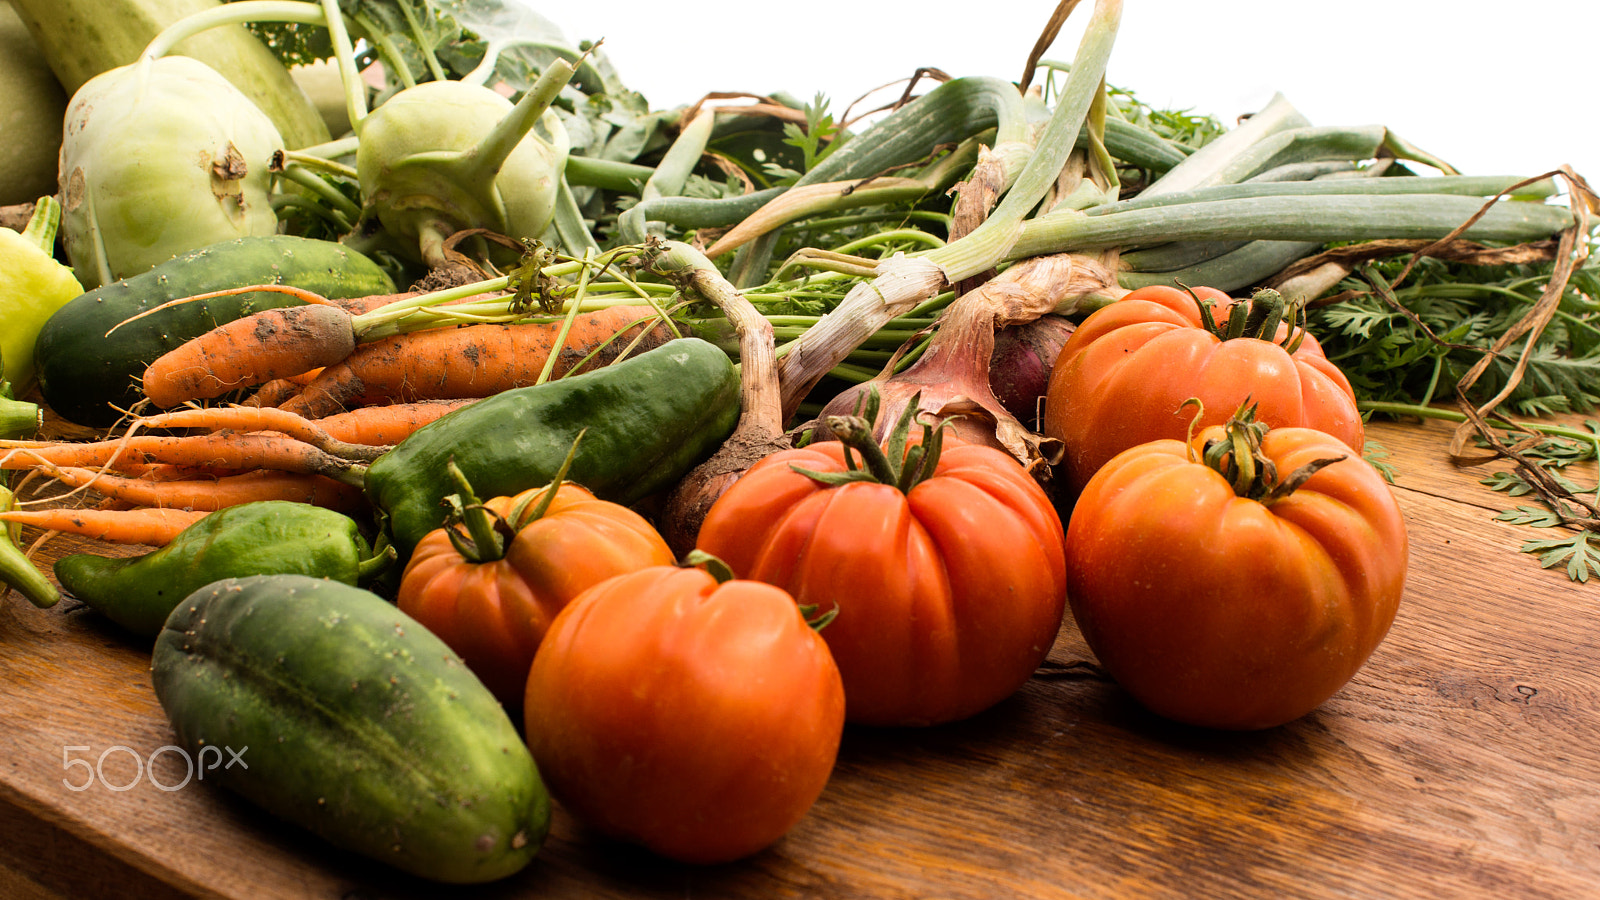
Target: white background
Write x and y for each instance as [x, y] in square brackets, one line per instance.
[1502, 88]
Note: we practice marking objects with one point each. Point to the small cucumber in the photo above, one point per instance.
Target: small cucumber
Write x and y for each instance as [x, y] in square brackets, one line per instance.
[646, 421]
[353, 721]
[86, 374]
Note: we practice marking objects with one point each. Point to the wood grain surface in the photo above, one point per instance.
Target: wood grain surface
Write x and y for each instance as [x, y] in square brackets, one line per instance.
[1462, 761]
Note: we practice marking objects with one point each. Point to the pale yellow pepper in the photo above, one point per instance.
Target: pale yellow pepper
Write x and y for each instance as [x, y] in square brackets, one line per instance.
[33, 285]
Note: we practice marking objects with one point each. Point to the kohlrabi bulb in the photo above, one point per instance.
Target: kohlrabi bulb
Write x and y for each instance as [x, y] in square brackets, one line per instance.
[158, 158]
[446, 156]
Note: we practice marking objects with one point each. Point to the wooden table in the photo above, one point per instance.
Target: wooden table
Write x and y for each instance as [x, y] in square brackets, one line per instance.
[1461, 762]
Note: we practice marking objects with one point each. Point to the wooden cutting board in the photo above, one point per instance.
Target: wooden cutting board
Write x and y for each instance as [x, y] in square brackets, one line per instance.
[1463, 760]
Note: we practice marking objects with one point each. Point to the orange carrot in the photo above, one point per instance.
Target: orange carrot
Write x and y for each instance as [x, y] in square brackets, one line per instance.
[358, 434]
[276, 391]
[272, 343]
[211, 451]
[256, 419]
[265, 346]
[472, 361]
[219, 493]
[150, 526]
[387, 425]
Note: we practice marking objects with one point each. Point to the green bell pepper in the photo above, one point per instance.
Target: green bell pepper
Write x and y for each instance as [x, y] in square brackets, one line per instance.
[267, 537]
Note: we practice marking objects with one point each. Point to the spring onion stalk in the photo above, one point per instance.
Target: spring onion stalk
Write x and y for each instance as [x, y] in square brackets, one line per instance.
[804, 201]
[1277, 116]
[1483, 186]
[1308, 144]
[1323, 219]
[668, 178]
[948, 114]
[1241, 267]
[952, 113]
[902, 282]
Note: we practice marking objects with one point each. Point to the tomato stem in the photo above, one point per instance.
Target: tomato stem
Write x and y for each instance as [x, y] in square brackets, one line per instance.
[482, 541]
[713, 565]
[1263, 313]
[1238, 457]
[892, 463]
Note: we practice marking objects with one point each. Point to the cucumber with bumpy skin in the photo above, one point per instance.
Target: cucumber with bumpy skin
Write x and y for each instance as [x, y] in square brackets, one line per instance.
[86, 374]
[352, 721]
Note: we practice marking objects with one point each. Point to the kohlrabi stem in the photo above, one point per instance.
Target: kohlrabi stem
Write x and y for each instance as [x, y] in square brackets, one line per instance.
[344, 53]
[325, 192]
[239, 13]
[303, 12]
[496, 146]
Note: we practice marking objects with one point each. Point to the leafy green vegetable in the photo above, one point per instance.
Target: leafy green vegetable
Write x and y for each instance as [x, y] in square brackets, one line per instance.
[1389, 356]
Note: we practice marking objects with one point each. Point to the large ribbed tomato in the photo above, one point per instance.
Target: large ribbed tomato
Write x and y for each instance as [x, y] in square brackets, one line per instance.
[493, 605]
[698, 718]
[1235, 600]
[1126, 372]
[949, 591]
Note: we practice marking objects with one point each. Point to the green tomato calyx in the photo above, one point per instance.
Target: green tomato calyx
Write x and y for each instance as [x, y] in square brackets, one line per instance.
[893, 463]
[1237, 456]
[1263, 313]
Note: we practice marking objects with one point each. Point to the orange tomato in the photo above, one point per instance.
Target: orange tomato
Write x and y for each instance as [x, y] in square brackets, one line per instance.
[494, 612]
[1123, 377]
[699, 719]
[1233, 611]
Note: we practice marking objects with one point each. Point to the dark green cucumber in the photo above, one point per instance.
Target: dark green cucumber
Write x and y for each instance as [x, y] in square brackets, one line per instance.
[353, 721]
[646, 421]
[85, 374]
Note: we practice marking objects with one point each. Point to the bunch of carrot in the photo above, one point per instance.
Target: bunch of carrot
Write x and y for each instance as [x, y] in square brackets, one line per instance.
[338, 382]
[152, 485]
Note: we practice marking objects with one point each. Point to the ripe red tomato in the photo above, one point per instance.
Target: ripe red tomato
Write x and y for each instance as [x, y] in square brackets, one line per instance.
[1127, 370]
[1227, 611]
[948, 595]
[494, 611]
[699, 719]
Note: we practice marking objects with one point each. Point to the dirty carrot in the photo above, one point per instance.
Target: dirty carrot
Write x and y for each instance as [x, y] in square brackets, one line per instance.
[381, 426]
[218, 493]
[149, 526]
[474, 361]
[259, 418]
[220, 451]
[271, 344]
